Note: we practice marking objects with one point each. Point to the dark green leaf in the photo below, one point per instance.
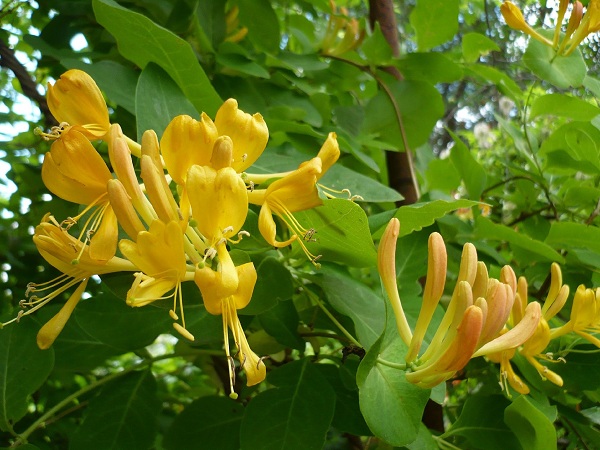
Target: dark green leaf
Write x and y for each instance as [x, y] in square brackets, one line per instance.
[158, 100]
[294, 416]
[24, 368]
[376, 48]
[281, 322]
[142, 41]
[262, 23]
[210, 422]
[370, 190]
[432, 67]
[123, 415]
[274, 284]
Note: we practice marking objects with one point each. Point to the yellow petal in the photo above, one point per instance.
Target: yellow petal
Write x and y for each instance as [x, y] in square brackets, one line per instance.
[74, 171]
[146, 289]
[296, 191]
[329, 153]
[76, 99]
[187, 142]
[50, 331]
[158, 191]
[268, 228]
[103, 245]
[124, 210]
[248, 133]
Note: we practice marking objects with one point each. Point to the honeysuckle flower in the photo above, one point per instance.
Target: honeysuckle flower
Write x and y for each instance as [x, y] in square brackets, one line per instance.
[340, 24]
[584, 318]
[74, 259]
[473, 324]
[187, 142]
[74, 171]
[159, 255]
[514, 18]
[533, 349]
[222, 295]
[76, 101]
[294, 191]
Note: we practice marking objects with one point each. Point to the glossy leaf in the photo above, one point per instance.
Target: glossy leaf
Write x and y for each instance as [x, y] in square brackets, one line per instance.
[262, 23]
[158, 100]
[532, 428]
[274, 284]
[24, 368]
[208, 422]
[342, 233]
[134, 32]
[122, 416]
[293, 416]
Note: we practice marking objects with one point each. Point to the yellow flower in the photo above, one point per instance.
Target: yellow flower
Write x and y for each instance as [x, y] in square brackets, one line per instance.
[584, 318]
[159, 255]
[76, 101]
[514, 19]
[187, 142]
[75, 260]
[74, 171]
[224, 293]
[294, 191]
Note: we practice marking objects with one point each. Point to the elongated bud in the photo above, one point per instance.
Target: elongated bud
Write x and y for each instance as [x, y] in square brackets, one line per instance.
[520, 302]
[513, 16]
[508, 276]
[516, 336]
[575, 19]
[124, 210]
[50, 331]
[434, 288]
[151, 148]
[480, 286]
[158, 190]
[386, 264]
[500, 301]
[468, 264]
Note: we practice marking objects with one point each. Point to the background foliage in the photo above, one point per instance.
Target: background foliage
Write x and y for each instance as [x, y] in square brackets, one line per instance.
[505, 146]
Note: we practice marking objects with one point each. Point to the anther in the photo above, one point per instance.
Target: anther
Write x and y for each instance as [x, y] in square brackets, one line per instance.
[250, 187]
[308, 236]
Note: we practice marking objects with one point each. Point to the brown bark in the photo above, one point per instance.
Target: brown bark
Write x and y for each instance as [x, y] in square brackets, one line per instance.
[400, 165]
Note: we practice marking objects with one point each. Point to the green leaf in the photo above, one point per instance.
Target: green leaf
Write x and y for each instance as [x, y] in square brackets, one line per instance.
[503, 81]
[281, 322]
[473, 174]
[376, 48]
[435, 22]
[104, 74]
[262, 23]
[274, 284]
[562, 71]
[419, 215]
[572, 146]
[352, 298]
[481, 424]
[235, 57]
[592, 84]
[105, 316]
[532, 428]
[475, 45]
[485, 228]
[210, 16]
[158, 100]
[563, 106]
[24, 369]
[370, 190]
[386, 398]
[566, 235]
[420, 106]
[342, 233]
[432, 67]
[294, 416]
[123, 415]
[209, 422]
[142, 41]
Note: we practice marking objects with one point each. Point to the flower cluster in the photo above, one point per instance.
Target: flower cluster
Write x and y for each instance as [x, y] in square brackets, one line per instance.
[579, 25]
[181, 218]
[485, 316]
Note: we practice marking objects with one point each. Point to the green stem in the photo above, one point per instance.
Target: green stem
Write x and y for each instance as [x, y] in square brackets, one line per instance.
[22, 437]
[345, 332]
[384, 362]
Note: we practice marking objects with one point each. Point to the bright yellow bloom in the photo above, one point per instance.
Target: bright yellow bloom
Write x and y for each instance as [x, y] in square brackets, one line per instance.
[74, 171]
[584, 318]
[224, 293]
[74, 259]
[187, 142]
[514, 19]
[294, 191]
[475, 317]
[159, 255]
[76, 101]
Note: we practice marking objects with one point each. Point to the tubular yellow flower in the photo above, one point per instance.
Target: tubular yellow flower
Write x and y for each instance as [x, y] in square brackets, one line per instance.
[584, 318]
[187, 142]
[76, 100]
[74, 259]
[249, 134]
[222, 296]
[514, 19]
[159, 254]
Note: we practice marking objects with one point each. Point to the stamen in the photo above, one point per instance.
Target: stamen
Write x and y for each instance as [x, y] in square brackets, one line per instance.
[55, 131]
[308, 236]
[173, 315]
[185, 333]
[250, 187]
[239, 235]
